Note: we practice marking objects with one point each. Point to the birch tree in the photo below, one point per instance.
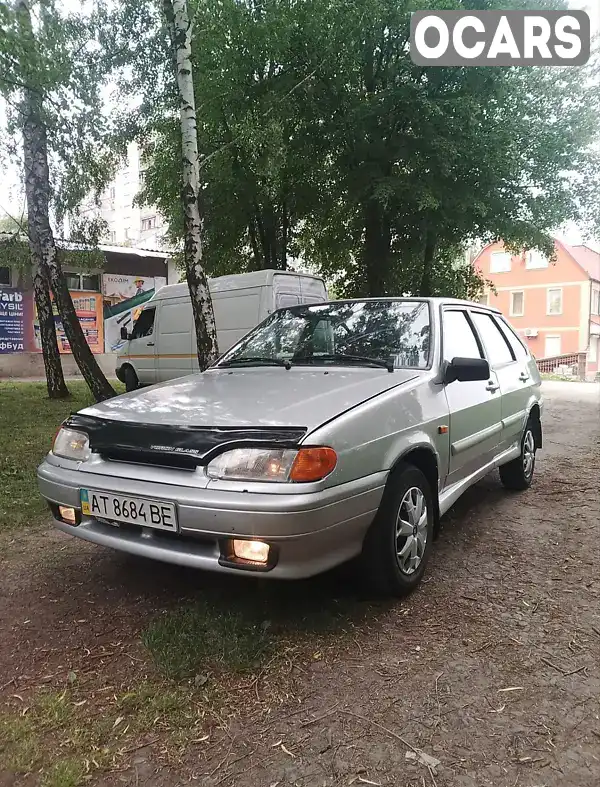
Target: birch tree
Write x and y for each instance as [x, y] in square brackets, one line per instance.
[180, 33]
[49, 82]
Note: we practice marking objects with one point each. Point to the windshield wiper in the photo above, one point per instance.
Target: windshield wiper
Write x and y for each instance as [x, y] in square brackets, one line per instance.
[251, 360]
[363, 360]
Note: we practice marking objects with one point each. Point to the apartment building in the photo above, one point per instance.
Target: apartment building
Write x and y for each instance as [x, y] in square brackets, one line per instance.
[129, 224]
[553, 304]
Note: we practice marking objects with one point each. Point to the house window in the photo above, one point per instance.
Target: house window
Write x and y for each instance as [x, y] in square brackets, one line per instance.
[112, 236]
[552, 346]
[535, 259]
[73, 281]
[499, 262]
[5, 276]
[149, 223]
[83, 281]
[517, 303]
[112, 192]
[90, 281]
[554, 300]
[595, 301]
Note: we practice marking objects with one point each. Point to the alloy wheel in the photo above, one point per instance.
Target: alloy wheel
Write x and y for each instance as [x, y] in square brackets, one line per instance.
[411, 530]
[528, 453]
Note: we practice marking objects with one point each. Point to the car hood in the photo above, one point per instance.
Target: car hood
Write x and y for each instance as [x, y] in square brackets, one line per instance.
[254, 396]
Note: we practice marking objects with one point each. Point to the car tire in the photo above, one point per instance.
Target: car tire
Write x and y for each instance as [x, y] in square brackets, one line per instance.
[518, 474]
[130, 379]
[391, 549]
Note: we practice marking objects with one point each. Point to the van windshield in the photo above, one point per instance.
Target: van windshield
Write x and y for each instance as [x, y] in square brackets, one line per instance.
[388, 333]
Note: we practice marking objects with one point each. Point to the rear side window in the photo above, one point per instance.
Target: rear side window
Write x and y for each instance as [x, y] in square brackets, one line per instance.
[459, 340]
[518, 348]
[495, 342]
[144, 325]
[284, 300]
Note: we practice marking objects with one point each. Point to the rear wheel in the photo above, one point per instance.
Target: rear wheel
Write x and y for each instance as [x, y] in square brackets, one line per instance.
[398, 543]
[130, 379]
[518, 474]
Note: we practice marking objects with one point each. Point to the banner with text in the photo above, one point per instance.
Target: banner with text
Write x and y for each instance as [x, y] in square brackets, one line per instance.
[12, 320]
[88, 307]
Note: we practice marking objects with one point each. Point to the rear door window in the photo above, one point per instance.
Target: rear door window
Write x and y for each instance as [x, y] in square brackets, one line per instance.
[497, 348]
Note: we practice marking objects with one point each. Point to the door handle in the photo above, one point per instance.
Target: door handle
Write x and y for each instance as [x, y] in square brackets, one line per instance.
[150, 344]
[492, 387]
[523, 377]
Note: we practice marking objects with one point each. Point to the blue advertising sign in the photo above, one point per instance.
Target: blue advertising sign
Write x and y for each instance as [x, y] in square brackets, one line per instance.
[12, 320]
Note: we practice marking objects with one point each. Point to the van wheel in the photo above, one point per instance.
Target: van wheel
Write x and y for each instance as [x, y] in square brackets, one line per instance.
[397, 546]
[518, 474]
[130, 379]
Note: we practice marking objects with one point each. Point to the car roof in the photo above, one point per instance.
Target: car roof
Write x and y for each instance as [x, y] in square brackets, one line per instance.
[234, 281]
[434, 301]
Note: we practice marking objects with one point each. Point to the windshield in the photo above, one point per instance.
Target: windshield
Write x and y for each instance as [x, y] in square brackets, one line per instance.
[366, 333]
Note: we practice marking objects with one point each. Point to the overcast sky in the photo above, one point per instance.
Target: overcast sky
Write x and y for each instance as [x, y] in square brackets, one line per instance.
[11, 198]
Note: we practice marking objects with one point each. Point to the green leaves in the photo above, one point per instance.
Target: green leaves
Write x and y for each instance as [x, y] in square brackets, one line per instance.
[59, 59]
[321, 140]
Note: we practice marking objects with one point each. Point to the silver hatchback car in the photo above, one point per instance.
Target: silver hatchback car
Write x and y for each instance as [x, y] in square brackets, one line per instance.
[334, 431]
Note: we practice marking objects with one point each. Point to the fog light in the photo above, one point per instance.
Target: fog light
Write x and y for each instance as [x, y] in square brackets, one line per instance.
[68, 514]
[256, 551]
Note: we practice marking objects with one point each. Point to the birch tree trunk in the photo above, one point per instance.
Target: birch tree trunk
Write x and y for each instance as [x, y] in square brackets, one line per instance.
[37, 179]
[180, 31]
[55, 380]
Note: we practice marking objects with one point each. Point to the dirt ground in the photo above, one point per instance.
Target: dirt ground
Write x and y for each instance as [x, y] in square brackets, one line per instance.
[488, 675]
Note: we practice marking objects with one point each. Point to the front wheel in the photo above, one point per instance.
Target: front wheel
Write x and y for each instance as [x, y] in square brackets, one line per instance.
[518, 474]
[397, 546]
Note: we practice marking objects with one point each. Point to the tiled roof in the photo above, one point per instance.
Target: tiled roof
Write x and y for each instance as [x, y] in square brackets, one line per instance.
[587, 258]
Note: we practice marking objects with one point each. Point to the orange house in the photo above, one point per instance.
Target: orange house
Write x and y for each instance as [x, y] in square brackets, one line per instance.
[555, 306]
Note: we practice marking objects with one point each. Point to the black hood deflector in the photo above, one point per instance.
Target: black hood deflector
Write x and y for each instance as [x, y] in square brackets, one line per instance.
[177, 446]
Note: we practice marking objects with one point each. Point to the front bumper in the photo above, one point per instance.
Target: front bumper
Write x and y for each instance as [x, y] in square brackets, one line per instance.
[309, 532]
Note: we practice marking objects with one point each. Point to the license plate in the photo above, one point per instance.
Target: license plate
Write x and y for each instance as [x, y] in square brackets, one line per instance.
[134, 510]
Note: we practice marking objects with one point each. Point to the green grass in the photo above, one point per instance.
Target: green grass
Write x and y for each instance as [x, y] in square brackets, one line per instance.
[28, 423]
[232, 633]
[205, 638]
[62, 741]
[64, 773]
[563, 378]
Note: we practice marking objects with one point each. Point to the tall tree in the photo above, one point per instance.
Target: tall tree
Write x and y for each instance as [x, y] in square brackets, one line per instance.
[259, 135]
[424, 159]
[180, 31]
[321, 139]
[41, 72]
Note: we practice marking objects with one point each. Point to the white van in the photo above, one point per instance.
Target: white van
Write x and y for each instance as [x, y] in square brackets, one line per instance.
[162, 344]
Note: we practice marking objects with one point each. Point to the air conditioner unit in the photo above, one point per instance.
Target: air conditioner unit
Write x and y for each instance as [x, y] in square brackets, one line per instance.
[530, 333]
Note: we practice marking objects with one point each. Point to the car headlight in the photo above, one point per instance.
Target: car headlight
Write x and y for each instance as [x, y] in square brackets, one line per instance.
[273, 464]
[71, 444]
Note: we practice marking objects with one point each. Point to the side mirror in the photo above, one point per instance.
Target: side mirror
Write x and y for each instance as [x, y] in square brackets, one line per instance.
[124, 333]
[466, 370]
